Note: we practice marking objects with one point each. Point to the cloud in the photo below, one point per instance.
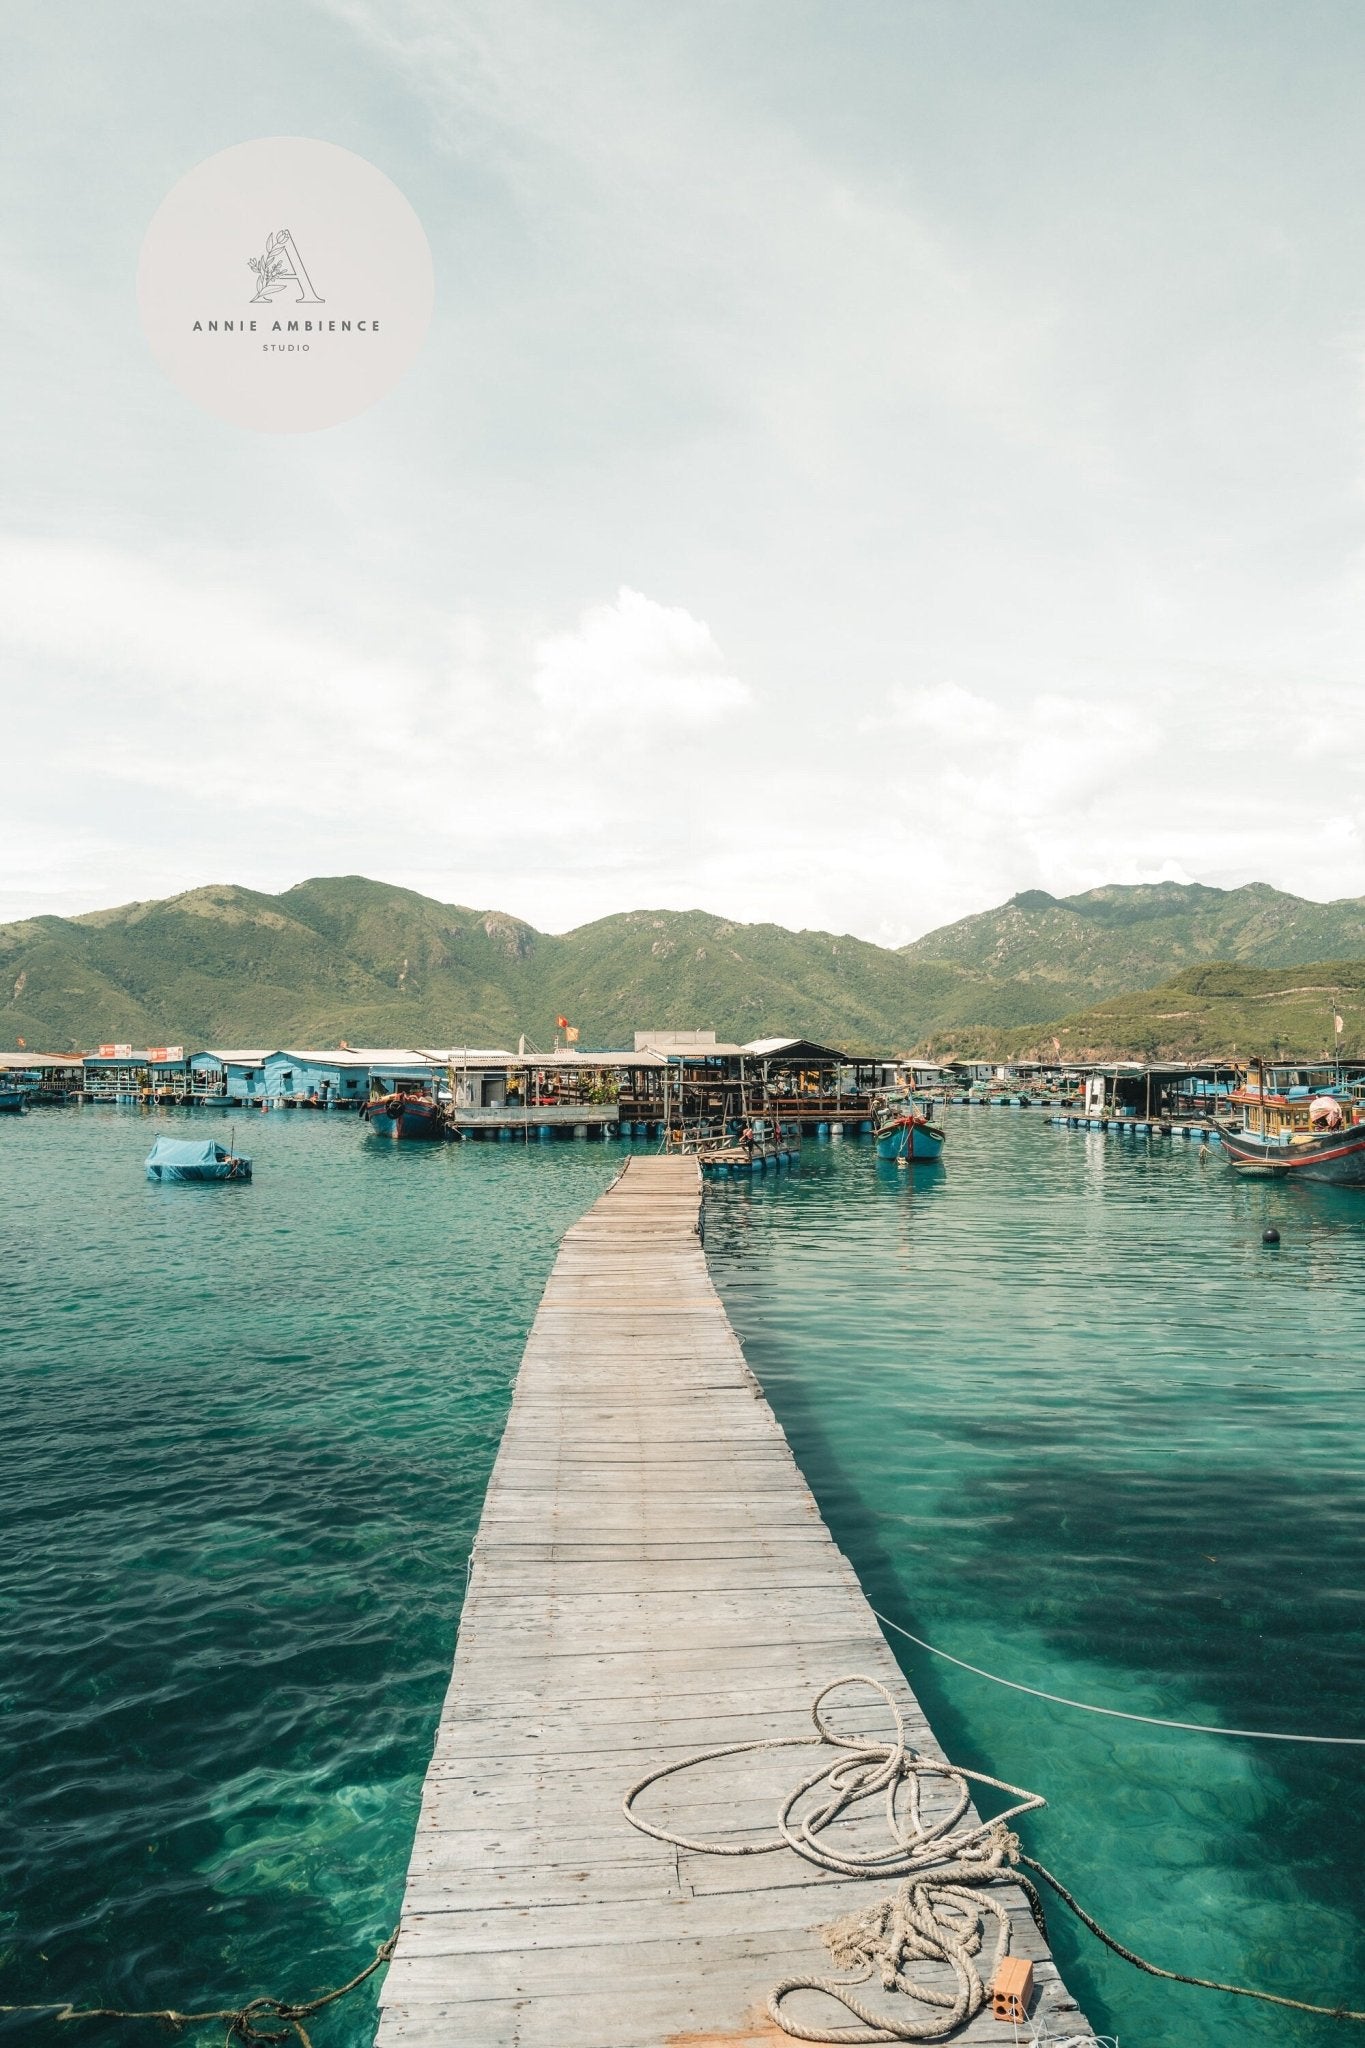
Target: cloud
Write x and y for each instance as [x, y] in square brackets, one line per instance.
[634, 667]
[1221, 779]
[215, 726]
[816, 500]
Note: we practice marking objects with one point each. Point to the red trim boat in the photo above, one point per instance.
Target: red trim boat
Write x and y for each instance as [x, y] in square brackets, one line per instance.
[407, 1116]
[902, 1131]
[1298, 1135]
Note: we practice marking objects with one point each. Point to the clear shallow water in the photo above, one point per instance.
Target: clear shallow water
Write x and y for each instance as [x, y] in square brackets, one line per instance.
[1074, 1423]
[247, 1434]
[1062, 1410]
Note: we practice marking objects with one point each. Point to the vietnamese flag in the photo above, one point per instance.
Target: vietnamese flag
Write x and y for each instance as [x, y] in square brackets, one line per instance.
[561, 1023]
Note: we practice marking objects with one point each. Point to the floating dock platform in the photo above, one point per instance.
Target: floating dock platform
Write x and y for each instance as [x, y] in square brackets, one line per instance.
[651, 1578]
[529, 1122]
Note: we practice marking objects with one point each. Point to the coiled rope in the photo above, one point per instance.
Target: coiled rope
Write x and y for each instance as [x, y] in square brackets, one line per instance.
[940, 1910]
[259, 2022]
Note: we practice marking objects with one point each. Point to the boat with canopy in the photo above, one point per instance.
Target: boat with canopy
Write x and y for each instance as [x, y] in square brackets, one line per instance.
[1309, 1127]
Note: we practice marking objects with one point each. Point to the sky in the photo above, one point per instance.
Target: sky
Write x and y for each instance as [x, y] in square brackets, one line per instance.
[868, 459]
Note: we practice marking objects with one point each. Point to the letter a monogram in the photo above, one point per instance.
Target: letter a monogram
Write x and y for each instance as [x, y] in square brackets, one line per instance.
[281, 266]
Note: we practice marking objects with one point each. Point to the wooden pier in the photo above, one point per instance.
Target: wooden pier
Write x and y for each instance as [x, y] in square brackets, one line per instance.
[651, 1578]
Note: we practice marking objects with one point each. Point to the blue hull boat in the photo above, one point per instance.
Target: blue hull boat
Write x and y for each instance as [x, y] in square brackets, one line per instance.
[406, 1116]
[908, 1135]
[11, 1101]
[197, 1159]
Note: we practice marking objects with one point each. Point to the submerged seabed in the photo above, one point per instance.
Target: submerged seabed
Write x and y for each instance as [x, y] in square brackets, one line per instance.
[248, 1431]
[1064, 1412]
[1074, 1423]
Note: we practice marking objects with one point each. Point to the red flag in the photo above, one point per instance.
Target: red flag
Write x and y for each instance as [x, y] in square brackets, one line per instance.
[24, 1041]
[561, 1023]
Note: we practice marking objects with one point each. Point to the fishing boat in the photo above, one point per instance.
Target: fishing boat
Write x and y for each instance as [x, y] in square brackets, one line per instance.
[11, 1101]
[903, 1131]
[1295, 1132]
[407, 1116]
[195, 1159]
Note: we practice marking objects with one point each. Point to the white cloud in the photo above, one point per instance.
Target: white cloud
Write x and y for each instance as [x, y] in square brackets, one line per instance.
[214, 727]
[975, 510]
[634, 668]
[1219, 780]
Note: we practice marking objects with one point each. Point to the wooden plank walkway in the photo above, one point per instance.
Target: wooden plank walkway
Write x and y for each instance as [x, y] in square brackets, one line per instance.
[651, 1577]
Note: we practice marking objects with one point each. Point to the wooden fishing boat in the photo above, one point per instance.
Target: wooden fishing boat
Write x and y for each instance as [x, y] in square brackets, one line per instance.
[11, 1101]
[1295, 1134]
[902, 1131]
[419, 1117]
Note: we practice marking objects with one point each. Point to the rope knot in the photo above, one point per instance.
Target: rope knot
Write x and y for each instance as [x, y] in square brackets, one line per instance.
[246, 2024]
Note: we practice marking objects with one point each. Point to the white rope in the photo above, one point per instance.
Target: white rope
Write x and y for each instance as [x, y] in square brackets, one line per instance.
[1117, 1713]
[939, 1912]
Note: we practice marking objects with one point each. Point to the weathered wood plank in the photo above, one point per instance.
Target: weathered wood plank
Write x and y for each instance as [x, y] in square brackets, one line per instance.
[651, 1578]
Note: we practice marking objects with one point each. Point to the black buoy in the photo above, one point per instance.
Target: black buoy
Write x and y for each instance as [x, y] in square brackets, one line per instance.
[1270, 1236]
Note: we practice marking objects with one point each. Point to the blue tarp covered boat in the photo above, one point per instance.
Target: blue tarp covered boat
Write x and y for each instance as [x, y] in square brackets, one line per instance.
[194, 1159]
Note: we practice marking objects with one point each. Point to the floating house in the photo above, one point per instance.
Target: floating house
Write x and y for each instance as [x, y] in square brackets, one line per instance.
[479, 1078]
[817, 1084]
[43, 1076]
[124, 1073]
[228, 1077]
[970, 1071]
[470, 1077]
[1164, 1090]
[693, 1078]
[322, 1078]
[351, 1075]
[403, 1070]
[918, 1075]
[569, 1089]
[168, 1073]
[116, 1073]
[681, 1077]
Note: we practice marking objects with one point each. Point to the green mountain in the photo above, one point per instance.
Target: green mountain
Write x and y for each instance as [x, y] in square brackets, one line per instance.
[1059, 954]
[1211, 1011]
[375, 964]
[345, 957]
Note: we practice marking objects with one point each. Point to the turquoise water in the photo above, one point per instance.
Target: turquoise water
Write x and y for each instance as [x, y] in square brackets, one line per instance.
[1065, 1413]
[247, 1433]
[1074, 1423]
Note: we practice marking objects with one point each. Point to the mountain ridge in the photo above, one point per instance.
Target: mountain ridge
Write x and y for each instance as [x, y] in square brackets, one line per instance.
[372, 961]
[1216, 1010]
